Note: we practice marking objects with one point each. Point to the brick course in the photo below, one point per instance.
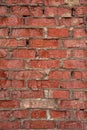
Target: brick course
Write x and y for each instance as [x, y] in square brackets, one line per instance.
[43, 65]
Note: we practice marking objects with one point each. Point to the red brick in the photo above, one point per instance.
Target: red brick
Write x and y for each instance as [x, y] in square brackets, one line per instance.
[39, 43]
[43, 84]
[54, 2]
[74, 84]
[55, 74]
[81, 10]
[40, 124]
[24, 1]
[4, 115]
[27, 32]
[28, 94]
[75, 43]
[52, 53]
[4, 94]
[58, 32]
[11, 21]
[71, 125]
[11, 43]
[80, 53]
[59, 94]
[26, 10]
[4, 74]
[29, 74]
[64, 12]
[72, 104]
[82, 64]
[3, 32]
[81, 115]
[18, 84]
[3, 53]
[38, 114]
[38, 103]
[11, 64]
[3, 10]
[10, 125]
[5, 83]
[20, 114]
[80, 95]
[80, 75]
[55, 114]
[23, 53]
[44, 64]
[79, 33]
[50, 11]
[71, 22]
[38, 22]
[9, 104]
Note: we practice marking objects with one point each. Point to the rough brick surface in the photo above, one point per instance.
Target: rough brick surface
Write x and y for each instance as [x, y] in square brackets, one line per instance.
[43, 65]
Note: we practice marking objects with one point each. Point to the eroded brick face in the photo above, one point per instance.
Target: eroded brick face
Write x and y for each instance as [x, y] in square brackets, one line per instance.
[43, 65]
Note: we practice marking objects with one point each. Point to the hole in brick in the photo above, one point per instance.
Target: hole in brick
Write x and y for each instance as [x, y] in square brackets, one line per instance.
[76, 99]
[27, 42]
[43, 11]
[61, 87]
[73, 12]
[81, 109]
[36, 55]
[25, 16]
[9, 31]
[72, 73]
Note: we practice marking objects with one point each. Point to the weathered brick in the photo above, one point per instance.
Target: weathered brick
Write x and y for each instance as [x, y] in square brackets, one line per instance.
[75, 43]
[44, 64]
[58, 32]
[74, 84]
[3, 53]
[27, 32]
[11, 21]
[4, 115]
[52, 53]
[72, 104]
[71, 125]
[43, 84]
[28, 94]
[29, 74]
[82, 64]
[20, 114]
[38, 114]
[10, 125]
[11, 64]
[3, 10]
[55, 114]
[12, 43]
[59, 74]
[40, 124]
[53, 2]
[59, 94]
[9, 104]
[38, 22]
[26, 11]
[37, 103]
[23, 53]
[40, 43]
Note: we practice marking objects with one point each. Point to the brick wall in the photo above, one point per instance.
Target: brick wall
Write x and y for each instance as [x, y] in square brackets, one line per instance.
[43, 65]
